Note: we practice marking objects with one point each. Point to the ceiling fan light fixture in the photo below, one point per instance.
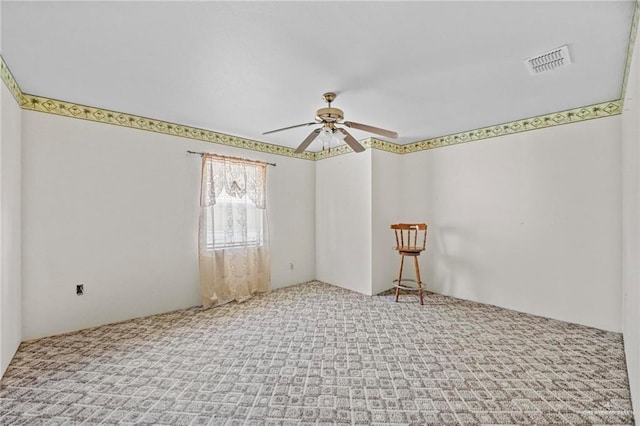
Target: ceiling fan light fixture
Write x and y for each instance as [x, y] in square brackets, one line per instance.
[337, 137]
[325, 135]
[330, 136]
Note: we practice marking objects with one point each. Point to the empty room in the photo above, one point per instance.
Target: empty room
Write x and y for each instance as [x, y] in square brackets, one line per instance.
[366, 212]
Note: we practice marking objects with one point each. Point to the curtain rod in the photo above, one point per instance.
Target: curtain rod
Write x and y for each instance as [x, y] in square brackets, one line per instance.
[235, 158]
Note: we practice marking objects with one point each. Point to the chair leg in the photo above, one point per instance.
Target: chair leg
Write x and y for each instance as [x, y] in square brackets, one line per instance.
[399, 277]
[417, 266]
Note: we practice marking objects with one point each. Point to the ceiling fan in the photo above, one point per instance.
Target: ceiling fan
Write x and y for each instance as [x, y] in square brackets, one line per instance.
[329, 118]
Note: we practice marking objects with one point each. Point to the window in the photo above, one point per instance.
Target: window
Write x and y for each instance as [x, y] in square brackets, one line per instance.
[236, 222]
[234, 201]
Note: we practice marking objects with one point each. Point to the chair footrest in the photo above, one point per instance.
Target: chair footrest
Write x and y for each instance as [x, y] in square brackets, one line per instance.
[404, 287]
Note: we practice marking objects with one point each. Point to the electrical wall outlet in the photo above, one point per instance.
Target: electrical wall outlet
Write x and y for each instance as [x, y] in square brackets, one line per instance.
[80, 289]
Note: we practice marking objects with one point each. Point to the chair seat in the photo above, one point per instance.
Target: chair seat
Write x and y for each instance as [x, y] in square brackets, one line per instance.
[409, 250]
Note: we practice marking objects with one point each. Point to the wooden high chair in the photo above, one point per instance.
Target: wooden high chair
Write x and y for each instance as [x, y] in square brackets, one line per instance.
[411, 240]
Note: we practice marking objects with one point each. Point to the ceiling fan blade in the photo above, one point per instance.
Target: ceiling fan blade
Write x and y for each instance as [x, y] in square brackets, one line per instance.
[351, 141]
[371, 129]
[305, 143]
[290, 127]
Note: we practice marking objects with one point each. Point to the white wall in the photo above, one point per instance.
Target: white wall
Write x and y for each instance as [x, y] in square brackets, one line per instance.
[530, 222]
[343, 221]
[387, 208]
[10, 227]
[631, 229]
[116, 209]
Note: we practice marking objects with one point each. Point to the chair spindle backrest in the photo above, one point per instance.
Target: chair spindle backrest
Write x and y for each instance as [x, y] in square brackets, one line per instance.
[409, 232]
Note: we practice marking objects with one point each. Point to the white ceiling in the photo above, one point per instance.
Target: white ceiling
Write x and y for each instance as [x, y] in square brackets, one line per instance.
[423, 69]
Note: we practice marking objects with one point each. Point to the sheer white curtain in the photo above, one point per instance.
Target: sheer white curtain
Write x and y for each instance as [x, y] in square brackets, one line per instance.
[233, 243]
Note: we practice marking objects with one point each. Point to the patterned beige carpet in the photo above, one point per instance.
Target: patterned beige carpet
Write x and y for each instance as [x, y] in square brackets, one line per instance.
[316, 354]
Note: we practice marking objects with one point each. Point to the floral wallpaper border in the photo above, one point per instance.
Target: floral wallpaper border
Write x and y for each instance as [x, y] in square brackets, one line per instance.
[66, 109]
[605, 109]
[10, 82]
[576, 115]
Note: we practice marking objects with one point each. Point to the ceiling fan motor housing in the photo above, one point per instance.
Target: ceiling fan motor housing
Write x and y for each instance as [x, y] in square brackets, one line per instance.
[329, 115]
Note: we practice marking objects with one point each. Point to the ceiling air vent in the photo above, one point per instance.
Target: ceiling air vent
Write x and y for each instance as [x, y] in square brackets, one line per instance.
[549, 61]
